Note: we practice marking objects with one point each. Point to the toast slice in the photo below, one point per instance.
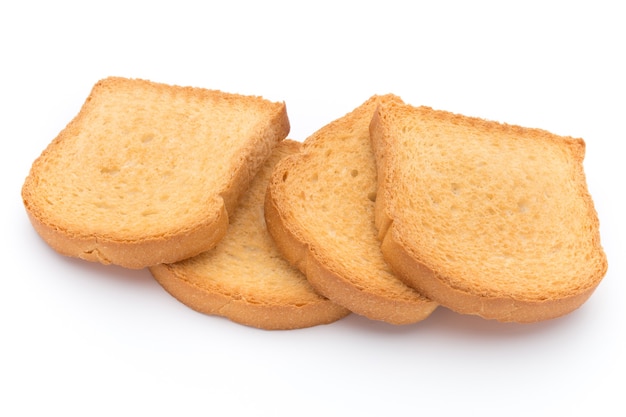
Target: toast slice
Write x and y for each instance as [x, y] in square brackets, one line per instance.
[485, 218]
[320, 210]
[244, 278]
[148, 173]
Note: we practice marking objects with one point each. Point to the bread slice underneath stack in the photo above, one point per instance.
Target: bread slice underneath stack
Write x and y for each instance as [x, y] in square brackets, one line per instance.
[148, 173]
[320, 210]
[485, 218]
[244, 278]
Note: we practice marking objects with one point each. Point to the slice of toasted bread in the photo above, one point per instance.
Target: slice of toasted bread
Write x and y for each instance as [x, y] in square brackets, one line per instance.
[320, 210]
[244, 278]
[147, 173]
[485, 218]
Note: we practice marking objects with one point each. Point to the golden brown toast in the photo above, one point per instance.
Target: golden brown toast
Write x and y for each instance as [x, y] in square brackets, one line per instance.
[485, 218]
[148, 173]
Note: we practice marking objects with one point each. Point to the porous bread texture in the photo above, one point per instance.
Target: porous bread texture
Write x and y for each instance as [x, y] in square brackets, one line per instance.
[244, 278]
[147, 173]
[485, 218]
[320, 210]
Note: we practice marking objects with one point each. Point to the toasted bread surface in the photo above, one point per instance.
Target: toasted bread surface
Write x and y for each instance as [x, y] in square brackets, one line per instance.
[320, 211]
[147, 173]
[485, 218]
[245, 278]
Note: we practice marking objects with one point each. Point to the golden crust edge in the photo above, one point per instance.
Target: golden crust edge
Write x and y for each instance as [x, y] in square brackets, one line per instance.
[503, 309]
[261, 316]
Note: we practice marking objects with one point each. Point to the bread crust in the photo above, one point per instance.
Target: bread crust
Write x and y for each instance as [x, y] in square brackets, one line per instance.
[261, 316]
[504, 309]
[139, 250]
[325, 273]
[404, 256]
[133, 254]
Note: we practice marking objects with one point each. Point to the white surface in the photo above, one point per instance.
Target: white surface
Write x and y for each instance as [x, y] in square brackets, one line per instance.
[84, 339]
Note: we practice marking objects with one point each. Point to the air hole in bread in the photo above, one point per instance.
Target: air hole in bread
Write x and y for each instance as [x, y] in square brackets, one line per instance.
[109, 170]
[354, 173]
[285, 175]
[372, 196]
[148, 137]
[556, 248]
[103, 205]
[522, 206]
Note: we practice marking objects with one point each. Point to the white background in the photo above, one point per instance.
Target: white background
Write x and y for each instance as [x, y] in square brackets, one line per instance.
[83, 339]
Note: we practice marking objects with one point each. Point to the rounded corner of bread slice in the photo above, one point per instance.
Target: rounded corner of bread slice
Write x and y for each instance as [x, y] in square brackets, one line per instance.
[257, 313]
[133, 254]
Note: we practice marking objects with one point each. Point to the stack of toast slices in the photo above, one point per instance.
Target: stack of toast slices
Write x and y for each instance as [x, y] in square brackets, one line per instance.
[387, 212]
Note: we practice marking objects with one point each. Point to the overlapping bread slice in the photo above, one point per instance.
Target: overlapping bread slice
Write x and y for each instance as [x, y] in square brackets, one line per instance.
[485, 218]
[147, 173]
[244, 278]
[320, 210]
